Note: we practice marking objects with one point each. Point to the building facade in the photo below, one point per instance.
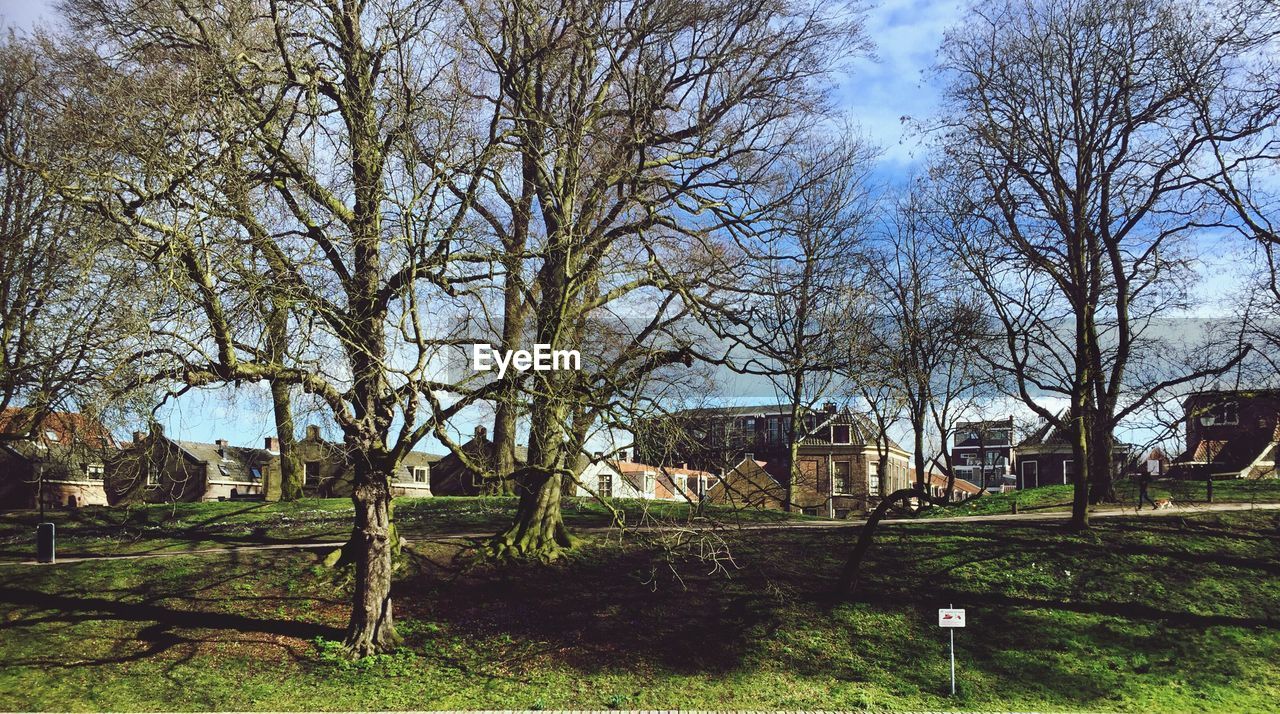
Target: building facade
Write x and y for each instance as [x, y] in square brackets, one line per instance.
[1229, 434]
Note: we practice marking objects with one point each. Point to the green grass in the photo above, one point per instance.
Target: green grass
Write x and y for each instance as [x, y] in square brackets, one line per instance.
[159, 528]
[1161, 613]
[1058, 498]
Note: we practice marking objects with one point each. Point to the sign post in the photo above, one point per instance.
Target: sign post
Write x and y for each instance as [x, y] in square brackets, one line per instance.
[951, 618]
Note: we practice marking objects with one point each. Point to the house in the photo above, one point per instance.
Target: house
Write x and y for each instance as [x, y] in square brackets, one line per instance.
[982, 451]
[154, 468]
[450, 477]
[961, 490]
[327, 471]
[620, 478]
[62, 464]
[1230, 434]
[837, 465]
[748, 485]
[1046, 458]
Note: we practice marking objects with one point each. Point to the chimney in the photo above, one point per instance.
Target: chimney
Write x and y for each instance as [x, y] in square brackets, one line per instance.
[749, 456]
[139, 437]
[481, 434]
[313, 432]
[829, 407]
[273, 444]
[222, 447]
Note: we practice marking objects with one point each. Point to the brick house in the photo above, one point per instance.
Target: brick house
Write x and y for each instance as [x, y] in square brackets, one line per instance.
[327, 472]
[1045, 458]
[748, 485]
[63, 464]
[450, 477]
[157, 469]
[1230, 434]
[837, 460]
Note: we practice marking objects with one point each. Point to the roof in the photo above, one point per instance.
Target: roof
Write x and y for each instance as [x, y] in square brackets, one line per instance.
[752, 410]
[1047, 435]
[237, 463]
[862, 432]
[1236, 393]
[57, 428]
[419, 458]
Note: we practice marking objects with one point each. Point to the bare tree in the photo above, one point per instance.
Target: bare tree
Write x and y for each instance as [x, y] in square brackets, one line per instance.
[798, 286]
[264, 157]
[635, 133]
[1074, 147]
[59, 282]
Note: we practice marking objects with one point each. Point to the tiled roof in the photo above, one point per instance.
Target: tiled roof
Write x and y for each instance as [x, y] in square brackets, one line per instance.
[58, 428]
[236, 463]
[862, 432]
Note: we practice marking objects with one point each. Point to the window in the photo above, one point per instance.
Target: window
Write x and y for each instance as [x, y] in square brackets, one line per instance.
[255, 473]
[749, 424]
[312, 473]
[1227, 413]
[420, 474]
[51, 435]
[841, 482]
[873, 479]
[775, 430]
[1068, 471]
[1030, 474]
[151, 473]
[604, 486]
[840, 434]
[649, 483]
[94, 472]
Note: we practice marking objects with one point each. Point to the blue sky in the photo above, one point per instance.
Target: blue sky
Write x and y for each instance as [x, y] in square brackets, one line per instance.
[877, 92]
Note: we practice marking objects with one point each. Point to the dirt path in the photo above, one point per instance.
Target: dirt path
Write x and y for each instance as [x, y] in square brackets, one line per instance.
[1104, 512]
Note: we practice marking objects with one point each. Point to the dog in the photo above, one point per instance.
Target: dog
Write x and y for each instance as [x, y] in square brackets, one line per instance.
[1163, 503]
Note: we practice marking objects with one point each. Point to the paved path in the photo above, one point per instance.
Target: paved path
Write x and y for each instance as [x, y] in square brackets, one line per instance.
[1042, 516]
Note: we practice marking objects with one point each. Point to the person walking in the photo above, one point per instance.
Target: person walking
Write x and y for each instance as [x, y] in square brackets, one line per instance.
[1144, 480]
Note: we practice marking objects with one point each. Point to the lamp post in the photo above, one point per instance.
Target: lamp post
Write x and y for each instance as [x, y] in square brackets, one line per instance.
[44, 531]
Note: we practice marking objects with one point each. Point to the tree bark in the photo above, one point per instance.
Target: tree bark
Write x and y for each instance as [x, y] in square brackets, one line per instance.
[290, 467]
[538, 530]
[371, 629]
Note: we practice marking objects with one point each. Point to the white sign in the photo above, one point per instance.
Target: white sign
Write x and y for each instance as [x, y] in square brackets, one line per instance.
[950, 617]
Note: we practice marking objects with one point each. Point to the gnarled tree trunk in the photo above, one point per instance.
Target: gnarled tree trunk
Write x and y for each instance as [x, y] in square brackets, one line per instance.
[853, 566]
[371, 629]
[538, 530]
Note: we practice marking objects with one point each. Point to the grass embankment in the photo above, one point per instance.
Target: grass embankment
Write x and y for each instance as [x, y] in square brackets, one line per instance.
[1154, 614]
[1058, 498]
[161, 528]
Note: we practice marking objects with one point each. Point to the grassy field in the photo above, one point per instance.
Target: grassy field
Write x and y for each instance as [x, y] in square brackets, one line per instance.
[1058, 498]
[175, 527]
[1155, 614]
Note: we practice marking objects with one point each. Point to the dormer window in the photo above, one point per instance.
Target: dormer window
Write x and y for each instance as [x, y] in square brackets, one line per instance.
[1224, 413]
[840, 434]
[419, 474]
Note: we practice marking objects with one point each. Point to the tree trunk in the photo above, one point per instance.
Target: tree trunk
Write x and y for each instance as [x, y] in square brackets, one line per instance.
[1080, 453]
[290, 468]
[277, 343]
[538, 530]
[849, 575]
[371, 629]
[1101, 482]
